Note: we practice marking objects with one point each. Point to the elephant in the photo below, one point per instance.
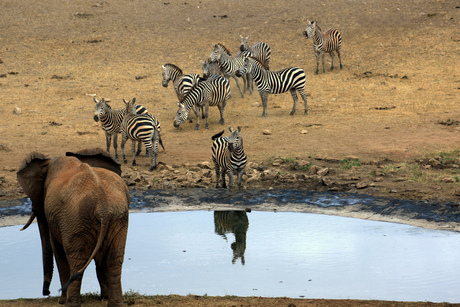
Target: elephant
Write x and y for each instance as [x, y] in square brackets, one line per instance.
[82, 208]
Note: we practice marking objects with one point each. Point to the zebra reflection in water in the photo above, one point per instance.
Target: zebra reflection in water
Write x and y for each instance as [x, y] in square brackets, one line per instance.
[235, 222]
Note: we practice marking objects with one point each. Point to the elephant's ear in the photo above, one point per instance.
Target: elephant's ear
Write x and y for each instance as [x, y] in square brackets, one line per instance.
[97, 157]
[32, 175]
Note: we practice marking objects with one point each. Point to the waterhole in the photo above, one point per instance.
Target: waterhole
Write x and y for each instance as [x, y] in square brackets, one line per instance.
[260, 254]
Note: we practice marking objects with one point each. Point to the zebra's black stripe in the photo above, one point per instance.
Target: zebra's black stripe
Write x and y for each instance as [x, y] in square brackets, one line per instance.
[182, 83]
[275, 82]
[260, 50]
[229, 157]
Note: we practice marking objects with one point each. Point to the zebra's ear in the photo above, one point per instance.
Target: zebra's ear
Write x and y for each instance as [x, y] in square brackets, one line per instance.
[240, 35]
[230, 129]
[249, 36]
[125, 101]
[95, 100]
[162, 66]
[239, 128]
[134, 100]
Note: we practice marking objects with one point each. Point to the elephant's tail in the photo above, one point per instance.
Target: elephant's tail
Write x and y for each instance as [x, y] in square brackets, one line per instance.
[104, 228]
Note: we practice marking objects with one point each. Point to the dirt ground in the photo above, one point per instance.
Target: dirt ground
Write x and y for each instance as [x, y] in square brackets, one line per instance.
[393, 108]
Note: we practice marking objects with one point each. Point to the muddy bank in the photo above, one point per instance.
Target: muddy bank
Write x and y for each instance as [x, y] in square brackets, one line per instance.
[428, 214]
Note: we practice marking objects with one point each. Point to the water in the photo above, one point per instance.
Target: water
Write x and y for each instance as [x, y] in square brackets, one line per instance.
[274, 254]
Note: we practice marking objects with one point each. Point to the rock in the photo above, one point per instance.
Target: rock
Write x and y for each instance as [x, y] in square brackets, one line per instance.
[303, 131]
[17, 110]
[323, 172]
[205, 164]
[361, 185]
[448, 180]
[266, 132]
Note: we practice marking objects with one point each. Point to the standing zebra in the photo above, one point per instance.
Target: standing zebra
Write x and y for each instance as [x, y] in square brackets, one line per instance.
[182, 83]
[140, 127]
[111, 121]
[324, 42]
[214, 91]
[229, 157]
[228, 64]
[275, 82]
[260, 51]
[210, 68]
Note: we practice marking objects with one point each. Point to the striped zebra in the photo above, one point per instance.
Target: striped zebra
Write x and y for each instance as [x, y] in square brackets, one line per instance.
[236, 222]
[275, 82]
[141, 127]
[229, 157]
[260, 51]
[111, 121]
[182, 83]
[210, 68]
[214, 91]
[228, 64]
[324, 42]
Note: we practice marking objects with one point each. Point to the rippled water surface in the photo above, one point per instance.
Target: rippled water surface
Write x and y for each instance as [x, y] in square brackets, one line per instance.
[261, 254]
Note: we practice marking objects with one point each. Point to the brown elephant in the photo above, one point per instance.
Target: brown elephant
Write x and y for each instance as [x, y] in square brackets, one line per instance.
[82, 207]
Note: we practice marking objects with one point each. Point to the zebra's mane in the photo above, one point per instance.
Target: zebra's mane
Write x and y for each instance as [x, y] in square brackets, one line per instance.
[224, 48]
[174, 67]
[258, 61]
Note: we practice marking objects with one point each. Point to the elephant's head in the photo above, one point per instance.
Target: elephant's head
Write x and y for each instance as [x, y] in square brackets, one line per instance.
[33, 175]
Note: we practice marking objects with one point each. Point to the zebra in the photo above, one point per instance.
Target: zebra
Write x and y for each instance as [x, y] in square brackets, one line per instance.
[324, 42]
[228, 64]
[182, 83]
[229, 157]
[141, 127]
[236, 222]
[215, 91]
[275, 82]
[260, 51]
[111, 121]
[210, 68]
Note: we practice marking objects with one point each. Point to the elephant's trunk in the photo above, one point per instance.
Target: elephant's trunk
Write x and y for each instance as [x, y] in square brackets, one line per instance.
[47, 252]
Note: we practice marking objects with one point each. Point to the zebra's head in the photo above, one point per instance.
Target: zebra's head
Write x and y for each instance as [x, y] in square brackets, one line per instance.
[244, 45]
[235, 140]
[130, 106]
[166, 76]
[100, 109]
[181, 115]
[310, 30]
[244, 69]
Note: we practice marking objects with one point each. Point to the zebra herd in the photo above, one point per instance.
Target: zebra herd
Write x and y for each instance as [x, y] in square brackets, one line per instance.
[198, 93]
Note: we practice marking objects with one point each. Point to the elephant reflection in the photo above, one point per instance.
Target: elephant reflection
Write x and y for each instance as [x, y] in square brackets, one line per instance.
[235, 222]
[81, 204]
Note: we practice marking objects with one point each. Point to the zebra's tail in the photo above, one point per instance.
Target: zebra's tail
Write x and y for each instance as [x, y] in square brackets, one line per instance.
[161, 143]
[215, 136]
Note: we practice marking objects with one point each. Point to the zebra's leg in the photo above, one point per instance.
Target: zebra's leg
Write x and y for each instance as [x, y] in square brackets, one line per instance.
[264, 96]
[295, 98]
[238, 85]
[108, 140]
[317, 54]
[224, 184]
[133, 149]
[115, 145]
[322, 60]
[217, 168]
[240, 177]
[304, 97]
[221, 110]
[332, 59]
[197, 117]
[206, 113]
[340, 59]
[230, 179]
[154, 151]
[123, 142]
